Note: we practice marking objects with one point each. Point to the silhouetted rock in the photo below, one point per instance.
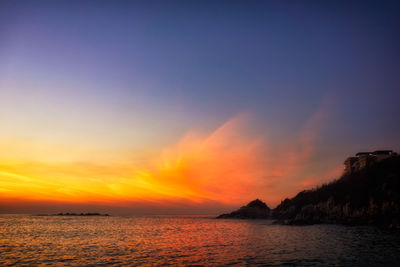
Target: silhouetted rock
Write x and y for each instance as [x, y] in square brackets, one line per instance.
[367, 196]
[79, 214]
[256, 209]
[370, 196]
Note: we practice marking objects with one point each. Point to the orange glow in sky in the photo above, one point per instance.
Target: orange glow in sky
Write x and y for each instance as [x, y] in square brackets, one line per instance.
[128, 105]
[228, 166]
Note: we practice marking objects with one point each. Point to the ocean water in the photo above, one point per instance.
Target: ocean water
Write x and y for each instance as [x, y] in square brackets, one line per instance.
[196, 241]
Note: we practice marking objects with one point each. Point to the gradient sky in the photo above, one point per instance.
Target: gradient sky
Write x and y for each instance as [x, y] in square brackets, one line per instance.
[190, 106]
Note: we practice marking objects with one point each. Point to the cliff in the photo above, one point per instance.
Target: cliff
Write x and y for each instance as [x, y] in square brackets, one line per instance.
[368, 197]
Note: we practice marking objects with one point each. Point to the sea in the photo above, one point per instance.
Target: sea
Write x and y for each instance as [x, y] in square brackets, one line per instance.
[28, 240]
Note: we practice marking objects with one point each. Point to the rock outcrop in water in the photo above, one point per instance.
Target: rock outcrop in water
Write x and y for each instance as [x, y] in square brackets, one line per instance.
[82, 214]
[254, 210]
[370, 196]
[75, 214]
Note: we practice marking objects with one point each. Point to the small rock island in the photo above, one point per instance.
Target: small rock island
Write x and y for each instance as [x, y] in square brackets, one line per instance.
[82, 214]
[75, 214]
[256, 209]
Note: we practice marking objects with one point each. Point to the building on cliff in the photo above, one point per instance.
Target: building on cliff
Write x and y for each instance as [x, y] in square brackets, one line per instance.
[365, 159]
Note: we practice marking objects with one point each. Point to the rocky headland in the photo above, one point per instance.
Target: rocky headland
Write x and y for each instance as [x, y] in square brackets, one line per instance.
[368, 196]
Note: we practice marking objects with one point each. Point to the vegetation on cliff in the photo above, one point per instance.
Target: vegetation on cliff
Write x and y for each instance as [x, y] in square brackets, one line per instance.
[369, 196]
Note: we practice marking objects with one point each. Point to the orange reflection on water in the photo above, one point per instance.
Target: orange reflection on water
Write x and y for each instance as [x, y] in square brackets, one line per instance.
[177, 241]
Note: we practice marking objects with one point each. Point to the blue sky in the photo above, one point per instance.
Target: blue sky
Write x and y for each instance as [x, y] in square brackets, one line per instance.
[140, 74]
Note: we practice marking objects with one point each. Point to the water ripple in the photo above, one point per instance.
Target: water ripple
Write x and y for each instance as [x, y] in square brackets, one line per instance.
[122, 241]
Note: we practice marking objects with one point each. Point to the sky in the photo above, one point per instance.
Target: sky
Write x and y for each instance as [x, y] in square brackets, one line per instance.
[189, 107]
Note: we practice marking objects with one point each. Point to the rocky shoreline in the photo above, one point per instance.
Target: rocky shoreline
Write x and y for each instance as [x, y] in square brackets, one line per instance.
[367, 197]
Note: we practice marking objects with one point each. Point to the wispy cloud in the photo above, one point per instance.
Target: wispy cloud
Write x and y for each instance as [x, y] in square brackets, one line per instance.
[230, 166]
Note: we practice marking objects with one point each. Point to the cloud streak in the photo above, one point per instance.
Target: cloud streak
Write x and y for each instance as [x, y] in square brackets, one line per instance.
[229, 166]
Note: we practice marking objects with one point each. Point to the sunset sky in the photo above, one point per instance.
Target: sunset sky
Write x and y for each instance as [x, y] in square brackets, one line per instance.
[191, 106]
